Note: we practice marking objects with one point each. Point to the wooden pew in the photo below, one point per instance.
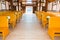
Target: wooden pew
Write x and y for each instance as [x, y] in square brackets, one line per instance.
[12, 18]
[39, 15]
[4, 27]
[7, 18]
[45, 19]
[18, 15]
[14, 15]
[54, 27]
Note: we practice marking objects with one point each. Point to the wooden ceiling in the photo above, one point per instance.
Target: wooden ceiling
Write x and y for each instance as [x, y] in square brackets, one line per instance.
[32, 0]
[38, 0]
[51, 0]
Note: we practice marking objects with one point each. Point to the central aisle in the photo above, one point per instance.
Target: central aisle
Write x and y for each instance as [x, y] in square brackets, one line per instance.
[28, 29]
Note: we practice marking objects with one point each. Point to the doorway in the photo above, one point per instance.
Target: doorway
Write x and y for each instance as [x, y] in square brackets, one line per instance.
[29, 9]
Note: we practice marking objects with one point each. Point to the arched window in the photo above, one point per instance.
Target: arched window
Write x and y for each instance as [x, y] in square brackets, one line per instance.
[54, 6]
[3, 6]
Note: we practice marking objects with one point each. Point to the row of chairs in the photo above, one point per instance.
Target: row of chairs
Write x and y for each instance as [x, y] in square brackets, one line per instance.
[8, 21]
[51, 21]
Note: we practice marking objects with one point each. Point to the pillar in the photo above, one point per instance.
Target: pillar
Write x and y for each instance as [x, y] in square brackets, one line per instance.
[7, 5]
[46, 5]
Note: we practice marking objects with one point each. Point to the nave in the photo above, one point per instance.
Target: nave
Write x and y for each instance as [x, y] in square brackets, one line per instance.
[29, 19]
[29, 28]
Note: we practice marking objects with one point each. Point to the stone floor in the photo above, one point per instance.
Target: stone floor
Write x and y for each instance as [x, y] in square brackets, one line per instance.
[29, 28]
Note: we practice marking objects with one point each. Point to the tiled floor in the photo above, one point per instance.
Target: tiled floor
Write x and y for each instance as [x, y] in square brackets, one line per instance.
[29, 28]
